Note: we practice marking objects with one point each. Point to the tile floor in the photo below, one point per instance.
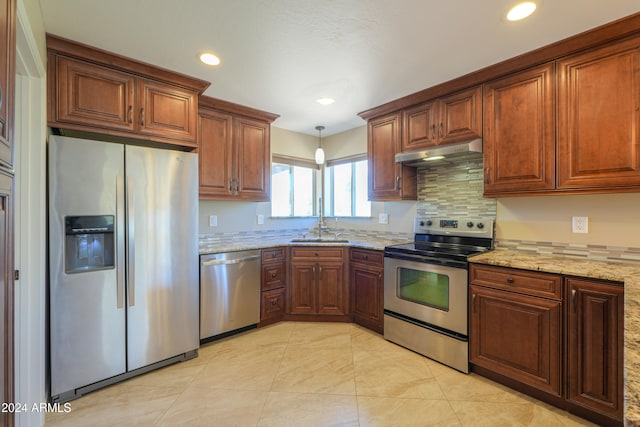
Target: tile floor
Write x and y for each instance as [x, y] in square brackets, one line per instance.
[309, 374]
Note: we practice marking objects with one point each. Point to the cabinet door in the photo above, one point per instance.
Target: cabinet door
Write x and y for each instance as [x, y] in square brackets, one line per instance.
[331, 290]
[519, 142]
[215, 154]
[7, 78]
[253, 159]
[388, 180]
[517, 336]
[302, 288]
[167, 112]
[367, 305]
[460, 116]
[419, 128]
[91, 95]
[599, 118]
[595, 345]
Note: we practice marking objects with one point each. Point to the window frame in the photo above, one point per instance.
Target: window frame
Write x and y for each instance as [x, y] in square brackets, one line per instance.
[299, 162]
[331, 191]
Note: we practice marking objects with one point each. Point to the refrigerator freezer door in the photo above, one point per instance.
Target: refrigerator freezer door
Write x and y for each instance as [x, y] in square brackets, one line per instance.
[87, 314]
[162, 297]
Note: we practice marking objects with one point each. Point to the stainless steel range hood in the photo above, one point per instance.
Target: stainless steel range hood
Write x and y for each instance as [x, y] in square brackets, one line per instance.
[444, 152]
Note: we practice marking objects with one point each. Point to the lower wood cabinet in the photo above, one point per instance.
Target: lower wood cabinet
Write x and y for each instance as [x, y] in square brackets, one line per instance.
[273, 282]
[595, 323]
[366, 288]
[564, 347]
[518, 336]
[317, 281]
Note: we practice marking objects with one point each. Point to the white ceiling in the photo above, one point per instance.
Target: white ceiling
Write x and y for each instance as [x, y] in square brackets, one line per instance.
[281, 55]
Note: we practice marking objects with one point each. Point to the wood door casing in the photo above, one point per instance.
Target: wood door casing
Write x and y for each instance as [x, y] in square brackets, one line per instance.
[519, 136]
[7, 391]
[599, 117]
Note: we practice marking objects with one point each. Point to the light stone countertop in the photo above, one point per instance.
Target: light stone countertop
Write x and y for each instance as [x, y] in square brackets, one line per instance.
[269, 242]
[629, 273]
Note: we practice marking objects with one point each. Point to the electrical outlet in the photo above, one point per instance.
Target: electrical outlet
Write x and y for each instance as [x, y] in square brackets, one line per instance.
[580, 224]
[383, 218]
[213, 220]
[260, 219]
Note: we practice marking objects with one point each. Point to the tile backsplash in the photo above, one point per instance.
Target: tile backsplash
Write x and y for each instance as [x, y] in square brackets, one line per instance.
[454, 188]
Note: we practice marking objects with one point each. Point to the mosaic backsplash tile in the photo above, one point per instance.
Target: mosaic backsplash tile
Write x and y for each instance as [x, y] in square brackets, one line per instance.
[454, 189]
[572, 250]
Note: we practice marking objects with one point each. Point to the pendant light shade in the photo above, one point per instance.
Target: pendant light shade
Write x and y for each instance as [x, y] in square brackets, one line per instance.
[319, 150]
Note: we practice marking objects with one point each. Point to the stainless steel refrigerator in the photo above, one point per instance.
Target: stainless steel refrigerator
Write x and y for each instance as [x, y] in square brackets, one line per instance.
[123, 254]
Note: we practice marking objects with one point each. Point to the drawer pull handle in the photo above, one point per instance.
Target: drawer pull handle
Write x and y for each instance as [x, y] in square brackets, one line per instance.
[130, 113]
[573, 299]
[473, 302]
[510, 280]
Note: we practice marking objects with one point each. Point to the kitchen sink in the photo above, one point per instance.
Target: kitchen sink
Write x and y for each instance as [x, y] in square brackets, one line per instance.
[320, 240]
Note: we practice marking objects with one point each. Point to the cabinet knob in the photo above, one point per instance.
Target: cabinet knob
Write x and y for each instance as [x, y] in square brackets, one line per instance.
[366, 257]
[273, 275]
[274, 302]
[510, 280]
[316, 253]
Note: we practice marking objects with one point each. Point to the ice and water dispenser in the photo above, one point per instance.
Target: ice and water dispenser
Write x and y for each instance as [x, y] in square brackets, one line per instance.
[89, 243]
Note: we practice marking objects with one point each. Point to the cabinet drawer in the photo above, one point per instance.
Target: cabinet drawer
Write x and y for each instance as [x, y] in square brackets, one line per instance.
[525, 282]
[365, 256]
[272, 304]
[273, 254]
[314, 252]
[273, 275]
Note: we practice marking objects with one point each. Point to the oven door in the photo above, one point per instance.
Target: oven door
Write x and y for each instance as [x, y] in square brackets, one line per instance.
[430, 293]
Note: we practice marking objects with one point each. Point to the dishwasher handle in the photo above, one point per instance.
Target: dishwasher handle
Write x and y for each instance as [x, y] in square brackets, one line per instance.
[229, 261]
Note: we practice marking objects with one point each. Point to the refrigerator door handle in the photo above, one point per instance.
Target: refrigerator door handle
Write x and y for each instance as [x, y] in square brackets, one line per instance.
[120, 230]
[131, 246]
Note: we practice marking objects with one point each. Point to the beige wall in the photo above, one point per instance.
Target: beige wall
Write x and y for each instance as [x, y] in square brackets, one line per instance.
[614, 219]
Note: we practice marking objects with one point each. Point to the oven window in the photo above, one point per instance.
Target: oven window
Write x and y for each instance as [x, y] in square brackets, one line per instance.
[424, 287]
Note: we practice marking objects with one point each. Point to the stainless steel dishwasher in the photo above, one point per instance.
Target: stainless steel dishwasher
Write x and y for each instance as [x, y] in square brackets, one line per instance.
[229, 292]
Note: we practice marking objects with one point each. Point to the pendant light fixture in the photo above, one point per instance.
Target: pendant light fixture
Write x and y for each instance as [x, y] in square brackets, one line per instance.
[319, 150]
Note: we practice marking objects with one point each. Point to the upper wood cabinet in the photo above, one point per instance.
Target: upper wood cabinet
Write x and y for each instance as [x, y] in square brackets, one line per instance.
[599, 118]
[96, 91]
[234, 147]
[519, 137]
[454, 118]
[7, 79]
[388, 180]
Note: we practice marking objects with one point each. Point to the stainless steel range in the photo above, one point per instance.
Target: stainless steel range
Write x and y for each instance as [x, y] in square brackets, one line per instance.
[426, 287]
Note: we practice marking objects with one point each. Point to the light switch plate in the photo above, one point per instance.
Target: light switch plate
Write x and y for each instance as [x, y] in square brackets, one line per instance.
[213, 220]
[260, 219]
[580, 224]
[383, 218]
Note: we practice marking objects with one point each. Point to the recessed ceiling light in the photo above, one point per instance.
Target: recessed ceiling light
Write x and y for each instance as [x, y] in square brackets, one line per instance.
[209, 58]
[325, 100]
[521, 11]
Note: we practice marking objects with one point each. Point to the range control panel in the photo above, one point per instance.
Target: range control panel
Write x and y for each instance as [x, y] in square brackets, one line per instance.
[477, 227]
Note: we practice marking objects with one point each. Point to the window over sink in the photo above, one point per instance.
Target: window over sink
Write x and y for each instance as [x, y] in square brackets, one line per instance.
[293, 187]
[345, 186]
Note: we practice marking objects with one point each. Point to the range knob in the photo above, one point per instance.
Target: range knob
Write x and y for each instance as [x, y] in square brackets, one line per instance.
[480, 225]
[470, 224]
[429, 223]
